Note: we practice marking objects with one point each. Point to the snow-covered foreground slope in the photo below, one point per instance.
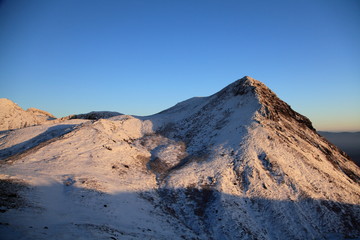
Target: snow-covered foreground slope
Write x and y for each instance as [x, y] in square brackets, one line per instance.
[90, 184]
[16, 142]
[240, 164]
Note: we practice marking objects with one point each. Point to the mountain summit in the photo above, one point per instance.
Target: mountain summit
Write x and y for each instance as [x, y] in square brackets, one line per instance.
[239, 164]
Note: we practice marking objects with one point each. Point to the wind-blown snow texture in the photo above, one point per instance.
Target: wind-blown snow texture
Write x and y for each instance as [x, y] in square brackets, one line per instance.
[239, 164]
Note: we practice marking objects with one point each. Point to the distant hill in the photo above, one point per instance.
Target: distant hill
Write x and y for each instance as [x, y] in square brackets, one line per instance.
[12, 116]
[95, 115]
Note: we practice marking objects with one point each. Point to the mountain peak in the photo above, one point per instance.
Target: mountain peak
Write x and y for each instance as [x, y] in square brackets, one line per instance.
[248, 84]
[241, 86]
[250, 81]
[272, 107]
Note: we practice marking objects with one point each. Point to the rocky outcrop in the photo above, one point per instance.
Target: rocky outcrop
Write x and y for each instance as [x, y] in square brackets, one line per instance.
[95, 115]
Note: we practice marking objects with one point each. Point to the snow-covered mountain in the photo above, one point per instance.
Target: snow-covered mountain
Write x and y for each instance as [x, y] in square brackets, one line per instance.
[12, 116]
[240, 164]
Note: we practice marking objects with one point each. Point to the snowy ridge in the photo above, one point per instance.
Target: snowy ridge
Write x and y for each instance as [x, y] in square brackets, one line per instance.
[41, 113]
[12, 116]
[239, 164]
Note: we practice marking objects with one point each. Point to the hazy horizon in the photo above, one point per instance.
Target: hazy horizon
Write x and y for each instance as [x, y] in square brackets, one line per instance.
[141, 57]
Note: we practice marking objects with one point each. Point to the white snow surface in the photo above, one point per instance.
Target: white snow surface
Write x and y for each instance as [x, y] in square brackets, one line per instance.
[12, 116]
[228, 166]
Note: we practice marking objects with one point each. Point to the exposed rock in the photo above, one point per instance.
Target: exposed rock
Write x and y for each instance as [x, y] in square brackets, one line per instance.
[95, 115]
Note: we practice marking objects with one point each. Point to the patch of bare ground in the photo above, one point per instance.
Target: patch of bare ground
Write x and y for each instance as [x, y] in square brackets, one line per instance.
[11, 194]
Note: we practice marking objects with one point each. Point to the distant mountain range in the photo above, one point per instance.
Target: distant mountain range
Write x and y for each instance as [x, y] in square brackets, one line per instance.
[239, 164]
[13, 117]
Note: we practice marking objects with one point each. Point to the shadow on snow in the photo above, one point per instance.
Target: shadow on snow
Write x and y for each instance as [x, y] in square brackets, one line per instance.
[67, 211]
[50, 133]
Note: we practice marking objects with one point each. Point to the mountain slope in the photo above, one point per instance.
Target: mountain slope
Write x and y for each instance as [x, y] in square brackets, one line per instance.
[347, 141]
[12, 116]
[240, 164]
[248, 144]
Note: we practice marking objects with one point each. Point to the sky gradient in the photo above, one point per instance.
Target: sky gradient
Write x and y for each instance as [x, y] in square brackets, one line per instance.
[142, 56]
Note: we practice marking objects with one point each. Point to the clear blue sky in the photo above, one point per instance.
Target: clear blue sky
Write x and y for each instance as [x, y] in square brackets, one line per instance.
[143, 56]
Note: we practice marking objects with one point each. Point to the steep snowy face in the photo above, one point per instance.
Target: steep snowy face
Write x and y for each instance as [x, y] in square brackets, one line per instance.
[273, 107]
[12, 116]
[246, 151]
[220, 119]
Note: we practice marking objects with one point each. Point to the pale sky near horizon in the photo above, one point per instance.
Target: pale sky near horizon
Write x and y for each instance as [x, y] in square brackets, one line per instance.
[142, 56]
